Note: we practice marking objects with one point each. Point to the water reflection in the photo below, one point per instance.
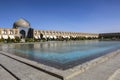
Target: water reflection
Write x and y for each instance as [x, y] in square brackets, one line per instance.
[60, 51]
[57, 47]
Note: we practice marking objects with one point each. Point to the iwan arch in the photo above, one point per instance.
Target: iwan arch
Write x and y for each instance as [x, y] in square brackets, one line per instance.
[22, 29]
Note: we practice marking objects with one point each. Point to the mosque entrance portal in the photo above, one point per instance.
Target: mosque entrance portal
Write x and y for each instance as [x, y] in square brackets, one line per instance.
[23, 33]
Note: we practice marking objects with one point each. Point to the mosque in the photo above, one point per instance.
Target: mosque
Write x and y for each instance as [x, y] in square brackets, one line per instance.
[22, 29]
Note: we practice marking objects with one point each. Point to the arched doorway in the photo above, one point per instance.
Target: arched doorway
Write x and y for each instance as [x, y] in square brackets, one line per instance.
[23, 33]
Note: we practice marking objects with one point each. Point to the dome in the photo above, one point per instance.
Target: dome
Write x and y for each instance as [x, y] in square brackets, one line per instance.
[21, 23]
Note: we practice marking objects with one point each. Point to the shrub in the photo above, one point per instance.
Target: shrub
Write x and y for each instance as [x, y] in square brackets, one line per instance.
[8, 40]
[2, 40]
[29, 40]
[17, 39]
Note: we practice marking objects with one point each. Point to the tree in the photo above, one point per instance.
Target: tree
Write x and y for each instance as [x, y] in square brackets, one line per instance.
[41, 36]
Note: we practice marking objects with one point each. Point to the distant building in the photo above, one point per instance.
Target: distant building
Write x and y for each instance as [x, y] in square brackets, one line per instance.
[109, 35]
[22, 29]
[12, 33]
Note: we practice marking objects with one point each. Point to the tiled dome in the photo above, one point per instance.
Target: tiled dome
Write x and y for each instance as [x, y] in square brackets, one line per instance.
[21, 23]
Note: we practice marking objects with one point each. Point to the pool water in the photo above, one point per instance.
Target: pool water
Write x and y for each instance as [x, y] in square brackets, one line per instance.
[62, 54]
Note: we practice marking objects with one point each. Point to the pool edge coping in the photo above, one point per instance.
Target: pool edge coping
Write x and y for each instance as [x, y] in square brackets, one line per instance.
[63, 74]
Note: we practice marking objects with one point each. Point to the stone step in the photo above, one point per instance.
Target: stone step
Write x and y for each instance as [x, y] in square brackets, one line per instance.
[102, 71]
[23, 71]
[115, 76]
[4, 75]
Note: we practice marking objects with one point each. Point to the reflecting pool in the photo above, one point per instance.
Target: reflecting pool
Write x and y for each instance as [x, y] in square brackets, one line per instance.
[61, 54]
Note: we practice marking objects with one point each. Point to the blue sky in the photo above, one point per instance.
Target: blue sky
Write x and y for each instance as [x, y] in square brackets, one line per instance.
[63, 15]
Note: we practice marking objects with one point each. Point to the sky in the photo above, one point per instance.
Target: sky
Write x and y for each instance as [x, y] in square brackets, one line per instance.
[94, 16]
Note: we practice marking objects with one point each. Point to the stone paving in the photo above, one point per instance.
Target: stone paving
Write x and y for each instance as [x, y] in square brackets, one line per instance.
[23, 71]
[102, 71]
[108, 70]
[4, 75]
[115, 76]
